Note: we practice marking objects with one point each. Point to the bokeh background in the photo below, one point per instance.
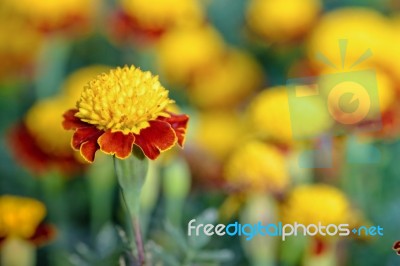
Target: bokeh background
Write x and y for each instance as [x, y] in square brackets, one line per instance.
[226, 64]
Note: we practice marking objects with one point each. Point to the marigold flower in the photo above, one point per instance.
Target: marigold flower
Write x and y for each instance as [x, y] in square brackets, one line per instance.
[282, 20]
[227, 82]
[50, 15]
[257, 166]
[161, 14]
[40, 142]
[124, 107]
[17, 54]
[363, 28]
[42, 122]
[22, 218]
[395, 23]
[311, 204]
[217, 133]
[125, 29]
[185, 52]
[269, 114]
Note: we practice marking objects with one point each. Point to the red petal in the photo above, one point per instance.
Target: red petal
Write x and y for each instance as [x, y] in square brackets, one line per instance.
[2, 239]
[178, 124]
[85, 134]
[158, 137]
[88, 150]
[71, 121]
[30, 154]
[319, 247]
[85, 139]
[25, 149]
[43, 234]
[116, 143]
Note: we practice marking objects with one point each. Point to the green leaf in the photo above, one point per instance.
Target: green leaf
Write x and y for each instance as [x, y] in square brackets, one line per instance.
[292, 250]
[158, 254]
[107, 240]
[177, 236]
[131, 173]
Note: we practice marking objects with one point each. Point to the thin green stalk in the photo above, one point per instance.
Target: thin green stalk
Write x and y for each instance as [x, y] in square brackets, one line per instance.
[131, 173]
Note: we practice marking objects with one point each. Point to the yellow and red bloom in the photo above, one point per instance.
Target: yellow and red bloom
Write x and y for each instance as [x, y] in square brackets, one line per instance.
[22, 218]
[123, 108]
[310, 204]
[145, 22]
[17, 54]
[282, 21]
[73, 16]
[183, 53]
[257, 166]
[40, 143]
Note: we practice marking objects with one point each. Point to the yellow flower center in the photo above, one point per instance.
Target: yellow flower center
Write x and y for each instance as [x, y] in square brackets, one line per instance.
[73, 85]
[20, 216]
[124, 100]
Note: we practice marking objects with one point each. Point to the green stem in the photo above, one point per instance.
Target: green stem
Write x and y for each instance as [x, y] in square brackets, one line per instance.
[131, 173]
[101, 181]
[138, 239]
[17, 251]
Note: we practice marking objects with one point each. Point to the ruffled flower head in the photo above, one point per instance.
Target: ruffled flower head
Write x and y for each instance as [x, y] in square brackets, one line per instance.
[22, 218]
[257, 166]
[40, 143]
[310, 204]
[124, 107]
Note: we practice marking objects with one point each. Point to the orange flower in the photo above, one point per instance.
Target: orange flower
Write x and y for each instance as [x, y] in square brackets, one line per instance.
[40, 143]
[27, 151]
[123, 108]
[22, 218]
[49, 16]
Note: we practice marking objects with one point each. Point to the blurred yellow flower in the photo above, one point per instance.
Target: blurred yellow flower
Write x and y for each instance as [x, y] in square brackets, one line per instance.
[218, 133]
[72, 87]
[386, 90]
[19, 216]
[311, 204]
[49, 14]
[43, 120]
[394, 48]
[160, 14]
[270, 117]
[257, 166]
[362, 28]
[226, 83]
[19, 44]
[282, 20]
[40, 143]
[184, 52]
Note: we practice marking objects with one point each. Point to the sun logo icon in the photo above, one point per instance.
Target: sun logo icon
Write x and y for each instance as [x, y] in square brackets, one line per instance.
[355, 97]
[350, 96]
